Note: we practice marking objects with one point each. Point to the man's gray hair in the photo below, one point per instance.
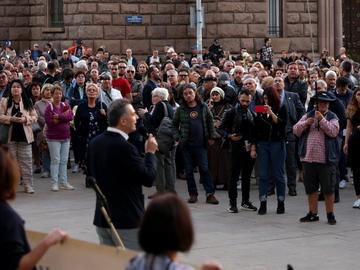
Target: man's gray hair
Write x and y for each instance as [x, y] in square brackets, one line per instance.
[330, 73]
[322, 84]
[117, 109]
[161, 92]
[81, 65]
[241, 68]
[130, 67]
[42, 65]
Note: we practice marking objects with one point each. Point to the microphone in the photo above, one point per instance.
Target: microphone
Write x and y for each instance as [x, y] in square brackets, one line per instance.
[92, 181]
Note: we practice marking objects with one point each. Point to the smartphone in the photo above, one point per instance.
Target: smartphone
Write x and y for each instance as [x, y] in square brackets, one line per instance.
[260, 109]
[18, 114]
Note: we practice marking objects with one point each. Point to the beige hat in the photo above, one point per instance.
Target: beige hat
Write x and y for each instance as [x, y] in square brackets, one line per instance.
[219, 90]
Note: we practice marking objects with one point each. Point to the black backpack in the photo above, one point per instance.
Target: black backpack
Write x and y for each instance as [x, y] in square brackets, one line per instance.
[164, 134]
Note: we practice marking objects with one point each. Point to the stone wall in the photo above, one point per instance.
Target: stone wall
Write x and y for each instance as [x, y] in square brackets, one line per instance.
[14, 22]
[236, 23]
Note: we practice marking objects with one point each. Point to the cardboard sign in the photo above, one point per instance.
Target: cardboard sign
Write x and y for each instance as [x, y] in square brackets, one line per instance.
[76, 254]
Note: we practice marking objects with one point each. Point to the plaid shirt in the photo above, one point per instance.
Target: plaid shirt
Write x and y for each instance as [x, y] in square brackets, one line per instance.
[315, 144]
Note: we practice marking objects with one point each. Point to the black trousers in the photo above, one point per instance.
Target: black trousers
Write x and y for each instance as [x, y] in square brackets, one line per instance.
[240, 162]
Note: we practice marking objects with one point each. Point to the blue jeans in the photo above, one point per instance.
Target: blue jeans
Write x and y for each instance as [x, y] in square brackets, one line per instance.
[59, 153]
[271, 159]
[197, 156]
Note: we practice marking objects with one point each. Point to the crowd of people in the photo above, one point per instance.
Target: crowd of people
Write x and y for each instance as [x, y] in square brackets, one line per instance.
[231, 116]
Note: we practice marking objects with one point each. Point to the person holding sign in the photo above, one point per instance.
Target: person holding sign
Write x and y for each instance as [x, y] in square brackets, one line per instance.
[15, 251]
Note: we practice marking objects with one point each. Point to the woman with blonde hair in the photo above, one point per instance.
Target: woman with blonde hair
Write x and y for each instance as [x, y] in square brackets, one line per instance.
[18, 111]
[352, 141]
[90, 119]
[40, 107]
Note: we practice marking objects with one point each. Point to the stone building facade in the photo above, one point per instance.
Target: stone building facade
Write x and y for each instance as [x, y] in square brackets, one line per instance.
[237, 24]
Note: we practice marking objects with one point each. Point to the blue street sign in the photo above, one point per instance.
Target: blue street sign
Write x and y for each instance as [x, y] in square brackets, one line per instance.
[134, 19]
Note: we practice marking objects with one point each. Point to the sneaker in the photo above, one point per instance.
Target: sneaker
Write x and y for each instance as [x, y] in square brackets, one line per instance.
[233, 209]
[211, 199]
[342, 184]
[29, 190]
[356, 204]
[66, 186]
[55, 187]
[193, 198]
[262, 209]
[248, 206]
[45, 175]
[310, 217]
[331, 218]
[75, 168]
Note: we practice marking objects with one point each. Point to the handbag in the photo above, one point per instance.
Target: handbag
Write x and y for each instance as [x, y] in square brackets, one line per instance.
[35, 127]
[4, 133]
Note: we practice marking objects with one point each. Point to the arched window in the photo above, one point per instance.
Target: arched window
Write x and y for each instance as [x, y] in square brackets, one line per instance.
[55, 13]
[275, 17]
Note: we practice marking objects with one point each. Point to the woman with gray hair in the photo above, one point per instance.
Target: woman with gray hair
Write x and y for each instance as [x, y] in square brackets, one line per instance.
[165, 178]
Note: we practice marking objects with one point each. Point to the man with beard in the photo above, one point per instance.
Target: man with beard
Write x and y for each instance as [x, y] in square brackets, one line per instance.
[238, 128]
[153, 82]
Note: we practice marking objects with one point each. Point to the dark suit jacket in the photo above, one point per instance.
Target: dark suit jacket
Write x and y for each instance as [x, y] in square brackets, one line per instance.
[298, 87]
[295, 111]
[120, 172]
[148, 87]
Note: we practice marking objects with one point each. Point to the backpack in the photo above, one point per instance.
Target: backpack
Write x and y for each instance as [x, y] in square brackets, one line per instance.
[164, 134]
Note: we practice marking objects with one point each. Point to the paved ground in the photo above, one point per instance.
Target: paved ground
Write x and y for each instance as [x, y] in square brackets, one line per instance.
[240, 241]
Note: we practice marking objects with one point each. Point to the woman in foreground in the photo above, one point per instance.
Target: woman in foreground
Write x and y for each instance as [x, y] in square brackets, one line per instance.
[166, 229]
[15, 251]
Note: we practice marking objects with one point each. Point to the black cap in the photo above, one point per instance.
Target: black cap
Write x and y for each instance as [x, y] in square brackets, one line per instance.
[210, 78]
[323, 96]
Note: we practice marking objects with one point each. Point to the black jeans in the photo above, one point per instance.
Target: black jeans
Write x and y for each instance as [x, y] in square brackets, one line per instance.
[291, 165]
[240, 162]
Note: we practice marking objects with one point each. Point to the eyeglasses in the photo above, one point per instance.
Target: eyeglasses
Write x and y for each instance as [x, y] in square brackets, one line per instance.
[122, 67]
[215, 94]
[130, 71]
[183, 75]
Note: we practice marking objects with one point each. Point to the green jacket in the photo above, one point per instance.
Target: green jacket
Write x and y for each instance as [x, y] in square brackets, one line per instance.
[181, 123]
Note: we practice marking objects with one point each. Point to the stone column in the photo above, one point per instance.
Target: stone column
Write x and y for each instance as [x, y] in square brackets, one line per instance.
[329, 25]
[338, 35]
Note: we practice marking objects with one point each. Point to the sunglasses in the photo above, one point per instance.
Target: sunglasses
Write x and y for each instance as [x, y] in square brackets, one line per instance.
[130, 71]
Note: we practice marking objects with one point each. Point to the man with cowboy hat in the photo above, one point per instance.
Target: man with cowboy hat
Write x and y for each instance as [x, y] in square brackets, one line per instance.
[319, 152]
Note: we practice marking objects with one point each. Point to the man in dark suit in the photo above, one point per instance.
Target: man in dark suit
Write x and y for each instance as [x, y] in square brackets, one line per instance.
[295, 111]
[121, 172]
